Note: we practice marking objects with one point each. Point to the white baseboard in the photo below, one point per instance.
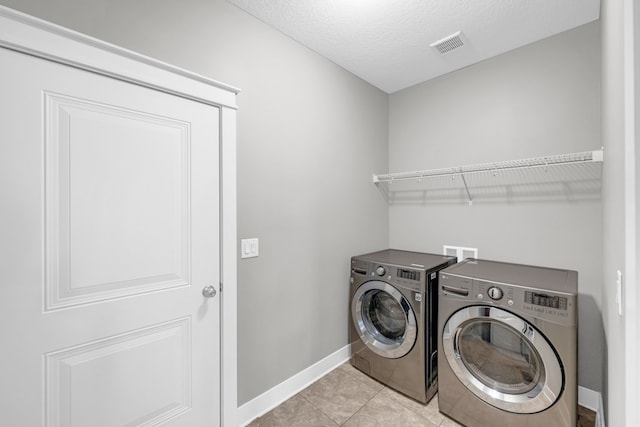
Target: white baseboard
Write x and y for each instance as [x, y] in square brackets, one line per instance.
[592, 400]
[287, 389]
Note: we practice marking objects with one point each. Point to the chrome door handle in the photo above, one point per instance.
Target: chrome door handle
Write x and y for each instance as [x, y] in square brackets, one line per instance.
[209, 291]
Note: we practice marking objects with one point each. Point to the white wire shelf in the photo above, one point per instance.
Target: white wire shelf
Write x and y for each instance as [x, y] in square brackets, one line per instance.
[547, 163]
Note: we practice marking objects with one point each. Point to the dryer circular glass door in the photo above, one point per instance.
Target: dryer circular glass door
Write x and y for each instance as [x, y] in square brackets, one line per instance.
[502, 359]
[384, 319]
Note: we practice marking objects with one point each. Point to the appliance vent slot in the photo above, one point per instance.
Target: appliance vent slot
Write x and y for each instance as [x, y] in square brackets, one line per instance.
[449, 43]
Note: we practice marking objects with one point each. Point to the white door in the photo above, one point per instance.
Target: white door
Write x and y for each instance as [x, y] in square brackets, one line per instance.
[109, 233]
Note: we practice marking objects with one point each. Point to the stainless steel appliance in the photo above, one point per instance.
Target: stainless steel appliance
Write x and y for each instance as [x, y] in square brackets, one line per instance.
[508, 345]
[392, 326]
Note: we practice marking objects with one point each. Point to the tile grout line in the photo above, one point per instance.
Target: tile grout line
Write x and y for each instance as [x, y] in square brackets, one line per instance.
[359, 381]
[365, 404]
[400, 403]
[319, 409]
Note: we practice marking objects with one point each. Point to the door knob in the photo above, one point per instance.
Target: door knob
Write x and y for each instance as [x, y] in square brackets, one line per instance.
[209, 291]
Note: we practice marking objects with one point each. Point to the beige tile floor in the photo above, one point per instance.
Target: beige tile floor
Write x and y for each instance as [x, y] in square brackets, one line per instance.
[347, 397]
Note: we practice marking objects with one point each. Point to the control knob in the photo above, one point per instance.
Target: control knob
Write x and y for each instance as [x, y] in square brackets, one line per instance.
[380, 271]
[494, 293]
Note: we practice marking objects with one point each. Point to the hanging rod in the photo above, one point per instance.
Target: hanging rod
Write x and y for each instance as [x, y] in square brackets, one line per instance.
[536, 162]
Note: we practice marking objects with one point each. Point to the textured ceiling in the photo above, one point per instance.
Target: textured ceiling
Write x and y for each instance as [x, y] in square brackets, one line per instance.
[386, 42]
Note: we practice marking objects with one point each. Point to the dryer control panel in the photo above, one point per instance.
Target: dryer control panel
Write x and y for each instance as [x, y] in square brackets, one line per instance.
[546, 300]
[548, 305]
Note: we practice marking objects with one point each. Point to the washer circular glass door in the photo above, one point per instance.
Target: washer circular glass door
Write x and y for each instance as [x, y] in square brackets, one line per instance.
[502, 359]
[384, 319]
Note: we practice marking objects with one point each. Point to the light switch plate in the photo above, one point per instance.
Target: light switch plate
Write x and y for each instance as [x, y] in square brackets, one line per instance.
[249, 248]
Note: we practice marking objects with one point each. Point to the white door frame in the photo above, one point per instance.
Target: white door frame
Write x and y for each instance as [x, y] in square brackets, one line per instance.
[23, 33]
[631, 287]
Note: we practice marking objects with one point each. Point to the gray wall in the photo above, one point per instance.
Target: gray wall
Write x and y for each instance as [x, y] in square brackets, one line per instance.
[538, 100]
[612, 19]
[309, 136]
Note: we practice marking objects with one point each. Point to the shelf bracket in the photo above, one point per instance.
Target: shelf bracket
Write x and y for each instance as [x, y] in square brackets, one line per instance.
[466, 187]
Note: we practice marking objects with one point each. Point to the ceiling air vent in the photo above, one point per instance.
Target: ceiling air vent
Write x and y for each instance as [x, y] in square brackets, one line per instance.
[449, 43]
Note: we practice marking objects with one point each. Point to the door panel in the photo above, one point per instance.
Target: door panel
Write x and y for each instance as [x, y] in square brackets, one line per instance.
[110, 230]
[140, 164]
[159, 356]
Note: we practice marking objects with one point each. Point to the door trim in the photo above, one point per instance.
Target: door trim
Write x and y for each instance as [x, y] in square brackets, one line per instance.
[27, 34]
[36, 37]
[630, 288]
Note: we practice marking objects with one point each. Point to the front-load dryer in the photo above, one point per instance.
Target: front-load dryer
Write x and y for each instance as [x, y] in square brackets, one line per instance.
[507, 342]
[393, 316]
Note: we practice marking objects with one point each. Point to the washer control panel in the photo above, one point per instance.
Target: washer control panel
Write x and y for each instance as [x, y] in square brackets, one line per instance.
[404, 276]
[408, 274]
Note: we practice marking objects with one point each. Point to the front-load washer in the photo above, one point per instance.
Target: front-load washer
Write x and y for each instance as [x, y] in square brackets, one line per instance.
[507, 341]
[393, 317]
